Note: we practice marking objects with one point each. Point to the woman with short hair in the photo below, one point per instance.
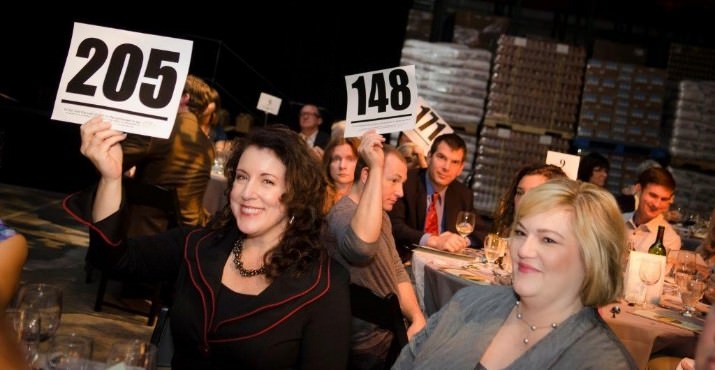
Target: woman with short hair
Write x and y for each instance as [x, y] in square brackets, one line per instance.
[567, 244]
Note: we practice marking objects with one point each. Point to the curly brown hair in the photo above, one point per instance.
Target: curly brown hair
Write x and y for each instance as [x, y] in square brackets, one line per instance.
[304, 198]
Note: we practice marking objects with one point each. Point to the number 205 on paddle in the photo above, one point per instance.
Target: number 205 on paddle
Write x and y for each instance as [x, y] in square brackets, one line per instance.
[134, 80]
[383, 100]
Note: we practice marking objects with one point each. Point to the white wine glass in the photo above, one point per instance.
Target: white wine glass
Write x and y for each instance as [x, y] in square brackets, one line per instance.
[494, 247]
[466, 221]
[45, 299]
[649, 273]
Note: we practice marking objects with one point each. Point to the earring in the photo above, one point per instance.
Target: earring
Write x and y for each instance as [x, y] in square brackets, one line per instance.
[292, 218]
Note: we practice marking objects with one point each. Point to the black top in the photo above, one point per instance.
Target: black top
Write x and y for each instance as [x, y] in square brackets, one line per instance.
[297, 322]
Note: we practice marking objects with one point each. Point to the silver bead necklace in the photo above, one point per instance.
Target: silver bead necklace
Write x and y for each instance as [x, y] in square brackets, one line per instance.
[531, 327]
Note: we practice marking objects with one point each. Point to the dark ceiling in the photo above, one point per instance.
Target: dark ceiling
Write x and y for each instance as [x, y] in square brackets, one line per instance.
[299, 51]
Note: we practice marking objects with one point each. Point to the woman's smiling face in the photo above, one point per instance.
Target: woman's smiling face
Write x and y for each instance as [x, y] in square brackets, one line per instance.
[256, 193]
[546, 257]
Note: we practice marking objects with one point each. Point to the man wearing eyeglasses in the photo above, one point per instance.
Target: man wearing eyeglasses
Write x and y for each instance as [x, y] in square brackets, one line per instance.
[310, 120]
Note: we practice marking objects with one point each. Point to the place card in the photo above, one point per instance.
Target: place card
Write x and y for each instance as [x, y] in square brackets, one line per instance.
[633, 286]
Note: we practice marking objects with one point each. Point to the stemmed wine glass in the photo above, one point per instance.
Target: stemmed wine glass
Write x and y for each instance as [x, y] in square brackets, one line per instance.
[494, 247]
[685, 262]
[466, 221]
[46, 299]
[70, 352]
[134, 354]
[691, 293]
[25, 324]
[649, 273]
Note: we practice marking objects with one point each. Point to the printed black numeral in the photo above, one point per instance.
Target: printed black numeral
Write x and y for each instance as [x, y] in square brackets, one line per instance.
[123, 73]
[128, 55]
[77, 84]
[400, 97]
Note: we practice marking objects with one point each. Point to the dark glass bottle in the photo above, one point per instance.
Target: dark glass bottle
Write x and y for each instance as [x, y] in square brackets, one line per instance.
[657, 247]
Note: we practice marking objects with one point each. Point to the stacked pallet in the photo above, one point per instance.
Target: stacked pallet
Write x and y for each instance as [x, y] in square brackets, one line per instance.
[452, 79]
[536, 85]
[501, 153]
[692, 121]
[687, 62]
[695, 191]
[622, 102]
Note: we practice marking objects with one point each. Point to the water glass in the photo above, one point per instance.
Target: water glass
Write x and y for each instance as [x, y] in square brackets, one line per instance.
[682, 279]
[691, 295]
[45, 299]
[69, 352]
[26, 324]
[685, 262]
[134, 354]
[220, 160]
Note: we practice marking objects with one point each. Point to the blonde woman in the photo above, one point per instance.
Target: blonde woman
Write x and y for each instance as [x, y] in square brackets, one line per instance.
[567, 243]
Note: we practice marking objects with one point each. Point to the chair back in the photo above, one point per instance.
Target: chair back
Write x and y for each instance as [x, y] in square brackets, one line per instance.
[161, 337]
[151, 199]
[382, 311]
[157, 198]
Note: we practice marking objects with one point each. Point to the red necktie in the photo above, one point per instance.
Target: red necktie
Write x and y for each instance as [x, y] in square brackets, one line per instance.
[431, 219]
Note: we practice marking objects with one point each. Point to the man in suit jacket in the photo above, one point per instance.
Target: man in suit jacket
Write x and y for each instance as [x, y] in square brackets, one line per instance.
[446, 161]
[310, 121]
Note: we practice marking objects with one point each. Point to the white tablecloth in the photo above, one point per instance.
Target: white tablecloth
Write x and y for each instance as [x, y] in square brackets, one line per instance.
[420, 258]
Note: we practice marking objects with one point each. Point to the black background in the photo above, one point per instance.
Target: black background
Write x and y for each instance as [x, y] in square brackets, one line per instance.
[298, 51]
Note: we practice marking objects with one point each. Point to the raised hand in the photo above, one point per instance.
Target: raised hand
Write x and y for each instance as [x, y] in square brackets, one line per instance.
[100, 144]
[370, 149]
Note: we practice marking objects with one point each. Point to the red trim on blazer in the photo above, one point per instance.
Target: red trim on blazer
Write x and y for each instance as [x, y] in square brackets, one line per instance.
[86, 222]
[289, 314]
[193, 281]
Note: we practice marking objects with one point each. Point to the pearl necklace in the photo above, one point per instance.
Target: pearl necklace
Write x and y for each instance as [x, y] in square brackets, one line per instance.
[531, 327]
[239, 265]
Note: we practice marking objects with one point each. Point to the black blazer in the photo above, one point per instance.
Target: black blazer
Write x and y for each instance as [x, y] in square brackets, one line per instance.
[322, 139]
[408, 214]
[296, 322]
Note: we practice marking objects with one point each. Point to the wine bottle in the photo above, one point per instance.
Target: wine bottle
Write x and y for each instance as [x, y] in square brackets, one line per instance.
[657, 246]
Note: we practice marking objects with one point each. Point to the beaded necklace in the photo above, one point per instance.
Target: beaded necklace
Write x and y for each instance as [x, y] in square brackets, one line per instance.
[531, 327]
[239, 265]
